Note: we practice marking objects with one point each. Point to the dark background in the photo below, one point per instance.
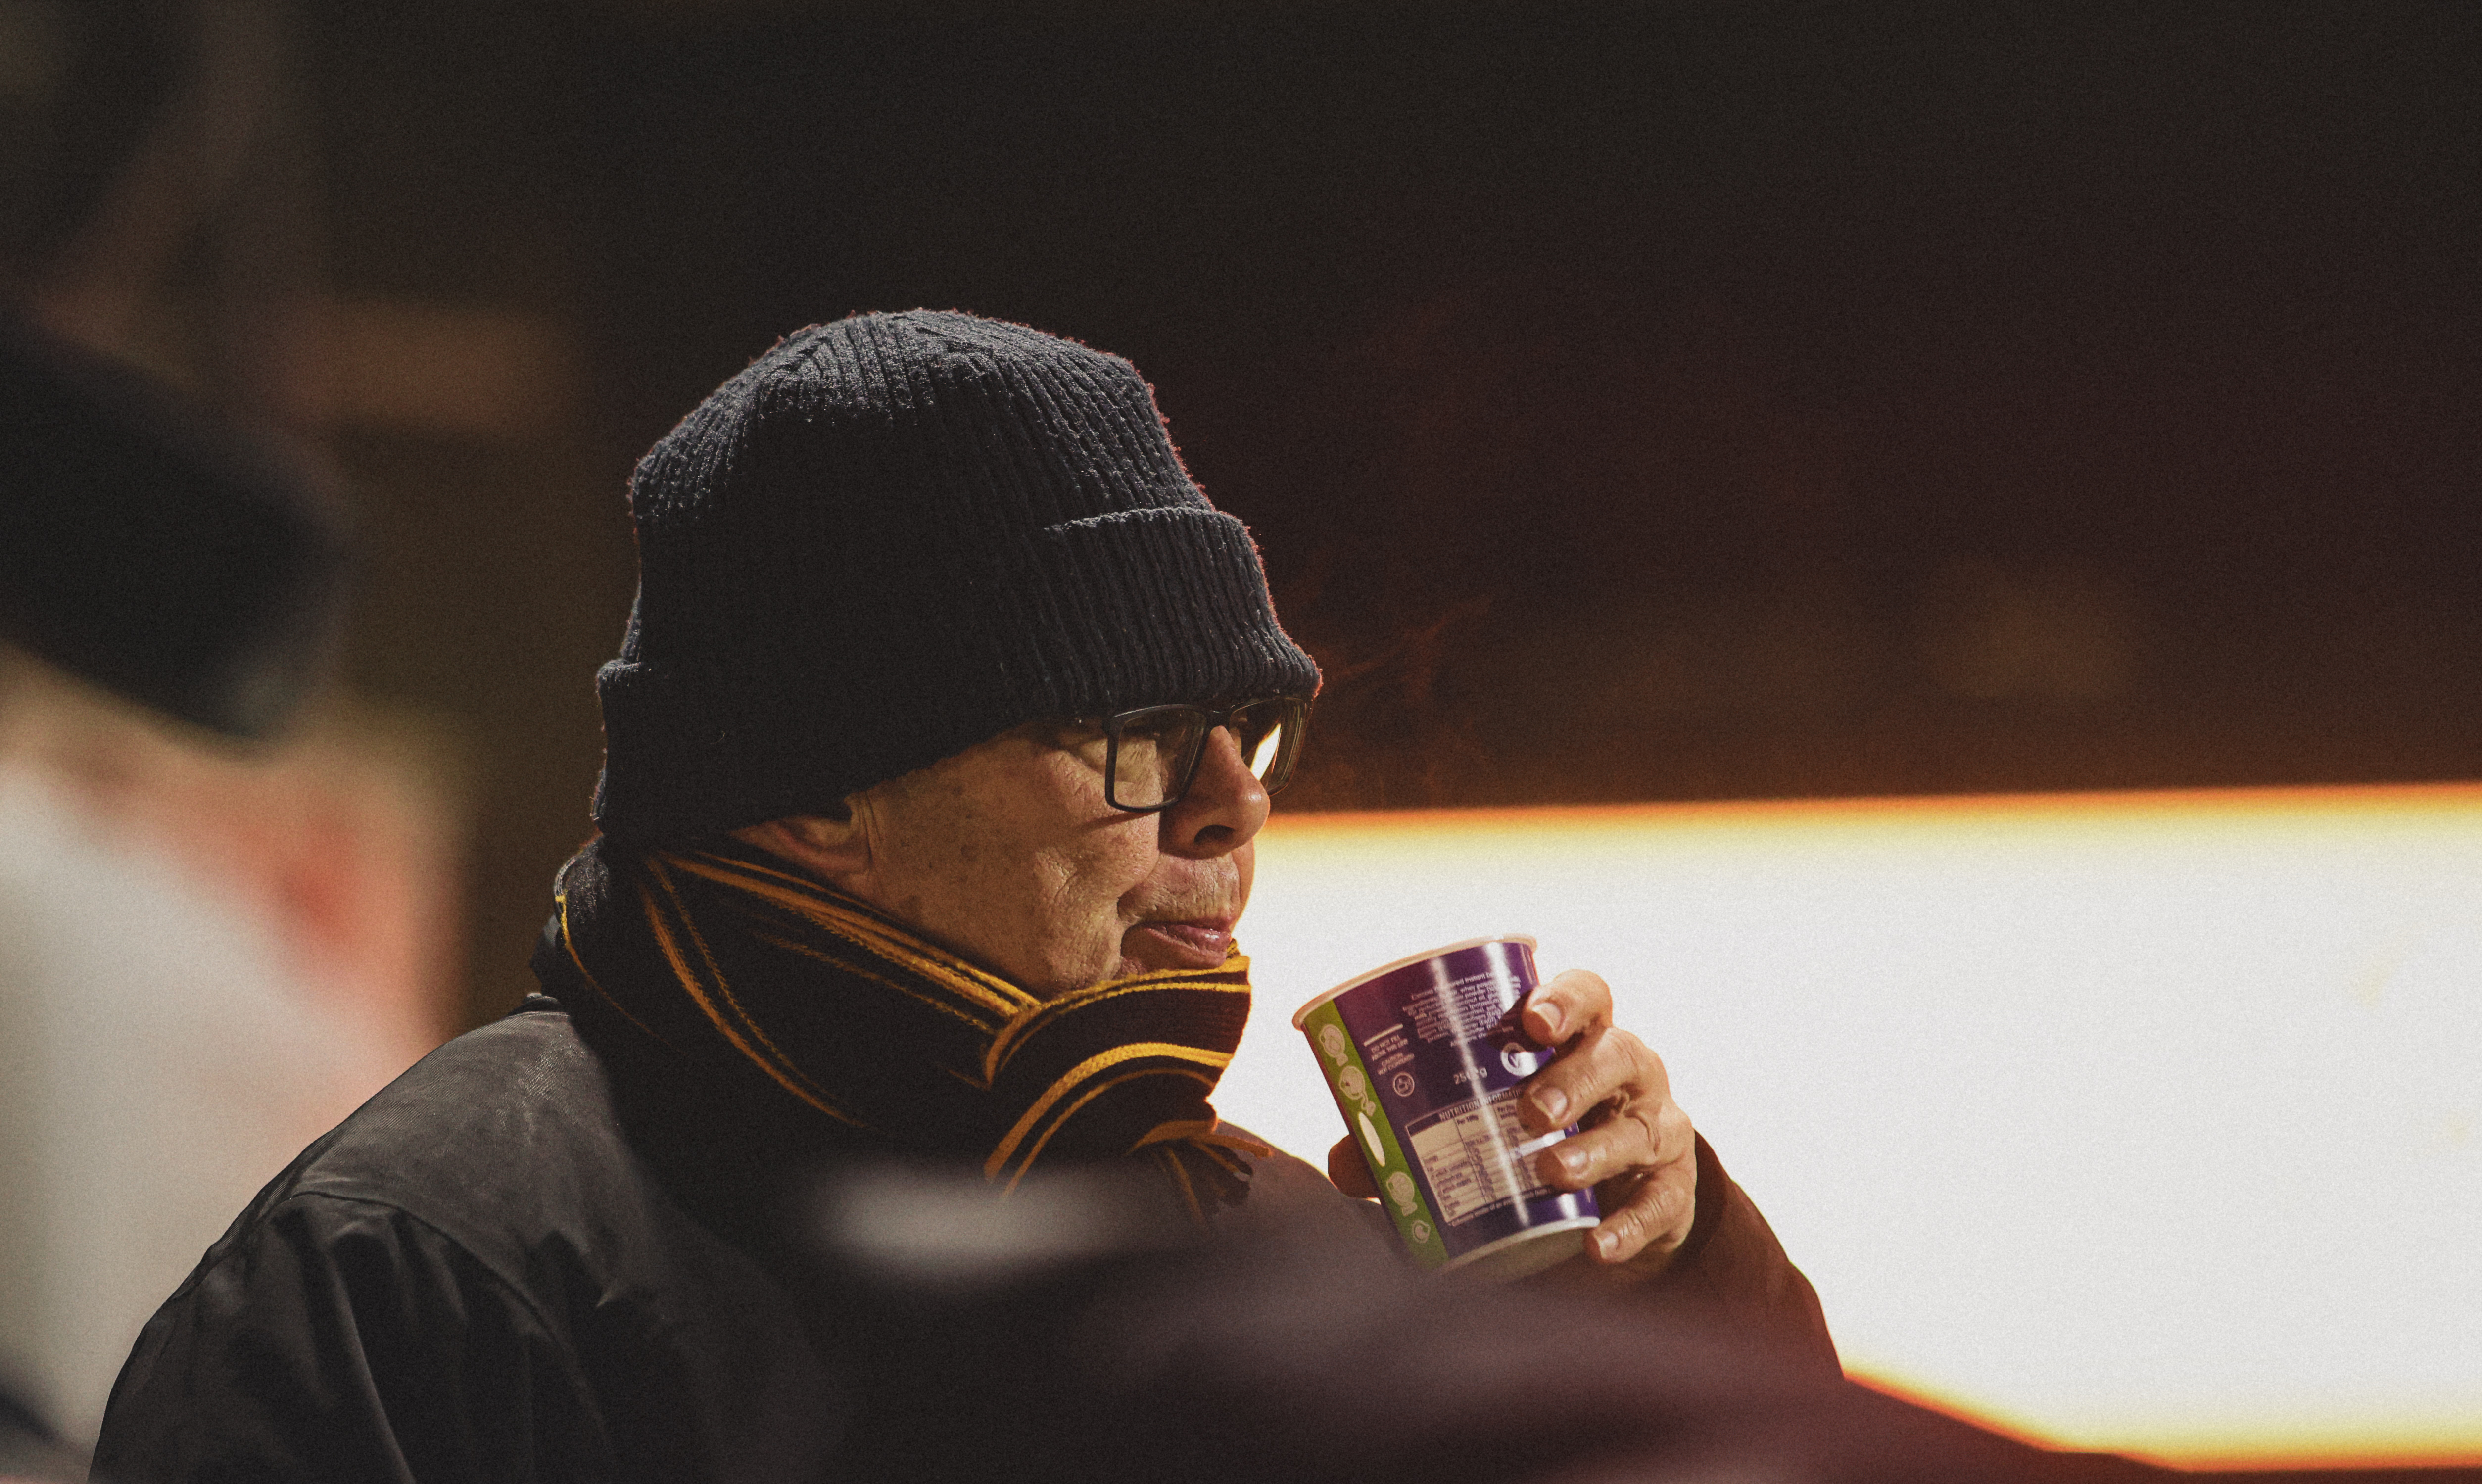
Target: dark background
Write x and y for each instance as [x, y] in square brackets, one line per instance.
[1633, 402]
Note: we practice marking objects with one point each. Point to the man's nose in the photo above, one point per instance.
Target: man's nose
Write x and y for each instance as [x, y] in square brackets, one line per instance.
[1224, 807]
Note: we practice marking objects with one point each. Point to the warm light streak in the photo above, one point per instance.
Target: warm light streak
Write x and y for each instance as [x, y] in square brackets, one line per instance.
[2146, 1122]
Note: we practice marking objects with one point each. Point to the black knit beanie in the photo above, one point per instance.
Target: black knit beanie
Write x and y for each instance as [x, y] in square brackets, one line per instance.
[899, 535]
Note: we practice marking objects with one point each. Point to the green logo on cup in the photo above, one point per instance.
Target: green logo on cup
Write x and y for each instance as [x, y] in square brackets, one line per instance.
[1389, 1169]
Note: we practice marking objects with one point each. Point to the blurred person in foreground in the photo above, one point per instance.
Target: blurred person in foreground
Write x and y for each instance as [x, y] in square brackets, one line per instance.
[170, 589]
[946, 715]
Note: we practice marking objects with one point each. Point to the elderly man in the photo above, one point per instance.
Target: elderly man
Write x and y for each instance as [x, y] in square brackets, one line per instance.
[946, 716]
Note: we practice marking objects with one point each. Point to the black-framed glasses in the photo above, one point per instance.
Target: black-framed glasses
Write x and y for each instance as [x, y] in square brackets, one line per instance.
[1152, 754]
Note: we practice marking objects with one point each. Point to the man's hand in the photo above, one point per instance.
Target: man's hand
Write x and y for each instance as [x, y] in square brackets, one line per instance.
[1635, 1146]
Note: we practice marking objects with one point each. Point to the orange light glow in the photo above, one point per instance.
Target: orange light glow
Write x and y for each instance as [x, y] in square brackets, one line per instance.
[2138, 1122]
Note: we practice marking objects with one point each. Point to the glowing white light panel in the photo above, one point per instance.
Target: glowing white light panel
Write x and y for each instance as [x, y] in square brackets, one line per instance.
[2150, 1122]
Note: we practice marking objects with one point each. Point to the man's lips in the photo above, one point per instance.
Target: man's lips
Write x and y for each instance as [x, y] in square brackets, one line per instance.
[1199, 944]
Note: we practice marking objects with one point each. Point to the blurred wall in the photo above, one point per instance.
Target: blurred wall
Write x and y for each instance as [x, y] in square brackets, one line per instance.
[1686, 400]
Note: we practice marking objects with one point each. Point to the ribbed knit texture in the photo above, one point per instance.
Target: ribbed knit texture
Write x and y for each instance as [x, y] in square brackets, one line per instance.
[896, 536]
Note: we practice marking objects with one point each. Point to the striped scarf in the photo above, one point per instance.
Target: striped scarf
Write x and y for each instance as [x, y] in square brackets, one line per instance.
[741, 964]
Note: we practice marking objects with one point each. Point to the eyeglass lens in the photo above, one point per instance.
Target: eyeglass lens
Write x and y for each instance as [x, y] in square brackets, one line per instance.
[1159, 748]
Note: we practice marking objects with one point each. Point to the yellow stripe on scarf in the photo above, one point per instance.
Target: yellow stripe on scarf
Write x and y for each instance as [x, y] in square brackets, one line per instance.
[1093, 1066]
[803, 899]
[774, 1062]
[1014, 1033]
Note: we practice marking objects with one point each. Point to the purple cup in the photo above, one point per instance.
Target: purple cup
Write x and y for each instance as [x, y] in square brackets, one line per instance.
[1424, 1056]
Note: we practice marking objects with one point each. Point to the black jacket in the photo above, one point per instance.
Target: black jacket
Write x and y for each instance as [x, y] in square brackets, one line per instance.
[537, 1257]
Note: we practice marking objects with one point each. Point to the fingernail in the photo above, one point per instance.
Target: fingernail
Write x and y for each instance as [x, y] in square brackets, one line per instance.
[1606, 1244]
[1550, 1015]
[1572, 1162]
[1554, 1102]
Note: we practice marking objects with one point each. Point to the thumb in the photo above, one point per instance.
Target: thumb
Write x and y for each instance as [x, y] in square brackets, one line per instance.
[1349, 1171]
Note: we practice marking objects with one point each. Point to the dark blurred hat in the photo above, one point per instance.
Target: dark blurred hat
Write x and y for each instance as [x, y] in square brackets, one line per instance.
[153, 551]
[895, 537]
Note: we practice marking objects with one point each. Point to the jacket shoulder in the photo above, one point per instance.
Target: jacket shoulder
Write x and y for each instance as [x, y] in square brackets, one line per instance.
[1285, 1188]
[497, 1139]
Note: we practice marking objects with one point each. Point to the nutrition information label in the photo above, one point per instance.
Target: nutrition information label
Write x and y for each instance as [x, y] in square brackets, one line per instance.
[1470, 1161]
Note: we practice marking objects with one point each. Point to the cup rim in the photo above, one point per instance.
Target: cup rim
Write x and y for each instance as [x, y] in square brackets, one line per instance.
[1393, 965]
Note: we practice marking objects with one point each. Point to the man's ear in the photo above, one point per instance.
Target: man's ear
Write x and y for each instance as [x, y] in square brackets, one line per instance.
[822, 846]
